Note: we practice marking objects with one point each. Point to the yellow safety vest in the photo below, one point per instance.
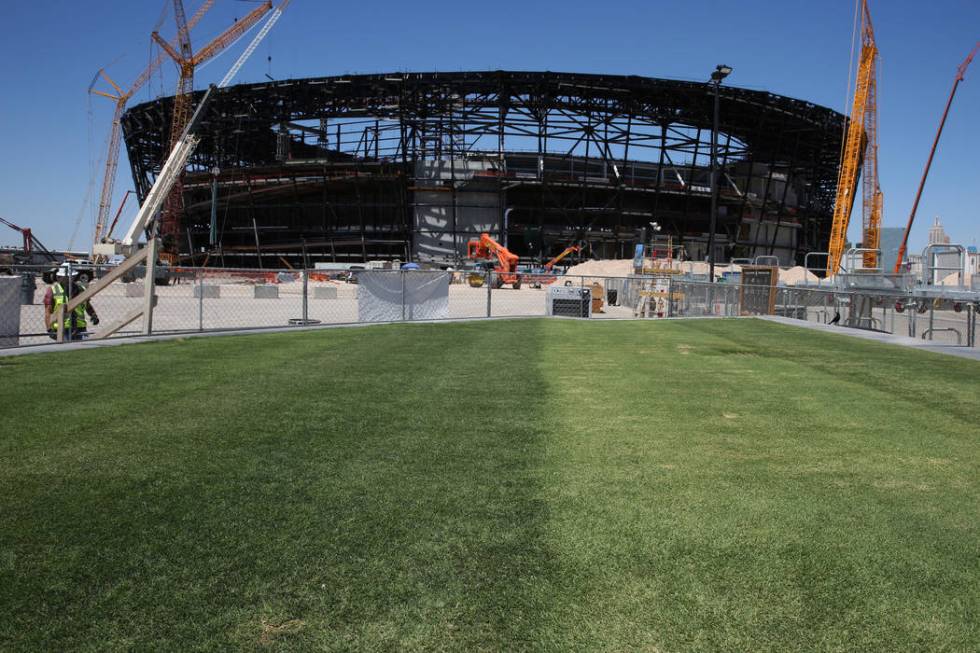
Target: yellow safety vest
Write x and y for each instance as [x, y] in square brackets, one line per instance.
[74, 321]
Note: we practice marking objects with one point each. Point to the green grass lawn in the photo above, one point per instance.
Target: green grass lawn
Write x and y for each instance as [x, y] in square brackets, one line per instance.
[516, 485]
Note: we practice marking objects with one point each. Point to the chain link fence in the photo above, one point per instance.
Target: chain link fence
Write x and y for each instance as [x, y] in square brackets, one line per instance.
[214, 299]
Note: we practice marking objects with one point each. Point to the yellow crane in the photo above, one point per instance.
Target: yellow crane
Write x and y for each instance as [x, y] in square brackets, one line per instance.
[187, 61]
[121, 98]
[860, 157]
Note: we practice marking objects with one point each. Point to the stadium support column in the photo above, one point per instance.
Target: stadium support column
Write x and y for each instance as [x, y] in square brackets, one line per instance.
[501, 161]
[721, 72]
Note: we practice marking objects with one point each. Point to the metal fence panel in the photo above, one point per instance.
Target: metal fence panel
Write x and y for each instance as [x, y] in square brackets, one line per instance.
[212, 299]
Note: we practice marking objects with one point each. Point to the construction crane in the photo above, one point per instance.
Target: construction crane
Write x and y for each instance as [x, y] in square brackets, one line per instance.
[860, 157]
[186, 62]
[115, 220]
[960, 72]
[173, 167]
[506, 268]
[121, 98]
[269, 24]
[30, 243]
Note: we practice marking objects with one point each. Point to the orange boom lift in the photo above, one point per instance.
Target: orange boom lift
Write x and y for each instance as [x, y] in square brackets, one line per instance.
[488, 248]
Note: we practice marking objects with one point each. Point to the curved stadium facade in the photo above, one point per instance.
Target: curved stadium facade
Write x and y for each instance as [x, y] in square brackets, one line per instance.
[410, 166]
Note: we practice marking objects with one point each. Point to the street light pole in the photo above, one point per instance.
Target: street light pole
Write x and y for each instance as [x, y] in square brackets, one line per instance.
[721, 72]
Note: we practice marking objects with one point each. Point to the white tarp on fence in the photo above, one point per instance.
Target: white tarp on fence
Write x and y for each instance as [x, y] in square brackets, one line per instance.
[405, 295]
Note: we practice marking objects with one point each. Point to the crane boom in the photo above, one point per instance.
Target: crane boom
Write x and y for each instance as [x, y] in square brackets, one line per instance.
[169, 173]
[121, 98]
[960, 72]
[229, 35]
[230, 75]
[571, 249]
[860, 151]
[186, 63]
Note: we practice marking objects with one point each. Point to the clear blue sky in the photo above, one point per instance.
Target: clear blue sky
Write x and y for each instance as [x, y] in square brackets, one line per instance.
[53, 134]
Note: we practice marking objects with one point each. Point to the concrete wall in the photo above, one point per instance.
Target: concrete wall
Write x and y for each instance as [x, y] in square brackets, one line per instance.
[442, 225]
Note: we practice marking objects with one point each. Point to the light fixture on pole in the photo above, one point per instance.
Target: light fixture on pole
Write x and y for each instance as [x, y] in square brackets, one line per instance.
[721, 72]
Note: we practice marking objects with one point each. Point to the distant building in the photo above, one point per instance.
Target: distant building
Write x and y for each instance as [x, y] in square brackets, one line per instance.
[937, 235]
[915, 265]
[890, 241]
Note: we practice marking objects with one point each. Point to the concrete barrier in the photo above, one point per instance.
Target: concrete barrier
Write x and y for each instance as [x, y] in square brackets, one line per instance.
[9, 311]
[135, 289]
[210, 292]
[266, 292]
[324, 292]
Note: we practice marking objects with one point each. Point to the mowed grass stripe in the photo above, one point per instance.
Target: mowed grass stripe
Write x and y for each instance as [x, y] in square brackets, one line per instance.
[735, 486]
[331, 490]
[533, 485]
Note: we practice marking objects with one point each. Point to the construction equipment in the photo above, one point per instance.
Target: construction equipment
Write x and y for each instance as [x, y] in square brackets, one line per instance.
[121, 98]
[115, 220]
[537, 280]
[169, 173]
[568, 251]
[860, 157]
[569, 301]
[186, 61]
[173, 167]
[925, 173]
[506, 268]
[269, 24]
[33, 251]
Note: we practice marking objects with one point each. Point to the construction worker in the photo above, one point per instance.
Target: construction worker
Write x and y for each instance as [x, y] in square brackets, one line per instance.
[57, 295]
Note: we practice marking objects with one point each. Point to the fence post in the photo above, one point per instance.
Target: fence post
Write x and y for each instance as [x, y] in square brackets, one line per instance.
[71, 285]
[489, 286]
[306, 296]
[401, 274]
[200, 299]
[149, 286]
[971, 325]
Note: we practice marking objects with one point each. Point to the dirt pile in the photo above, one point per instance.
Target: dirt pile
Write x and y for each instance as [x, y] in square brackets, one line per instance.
[952, 279]
[797, 275]
[597, 268]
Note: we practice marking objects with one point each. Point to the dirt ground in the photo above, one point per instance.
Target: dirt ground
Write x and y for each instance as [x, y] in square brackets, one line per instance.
[236, 306]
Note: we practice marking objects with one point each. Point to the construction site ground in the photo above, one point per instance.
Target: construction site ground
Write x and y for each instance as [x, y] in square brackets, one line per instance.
[236, 307]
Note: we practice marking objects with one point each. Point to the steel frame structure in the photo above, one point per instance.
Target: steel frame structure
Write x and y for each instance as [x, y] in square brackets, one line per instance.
[360, 167]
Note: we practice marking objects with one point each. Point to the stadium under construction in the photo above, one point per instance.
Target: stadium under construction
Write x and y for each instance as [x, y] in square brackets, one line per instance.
[410, 166]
